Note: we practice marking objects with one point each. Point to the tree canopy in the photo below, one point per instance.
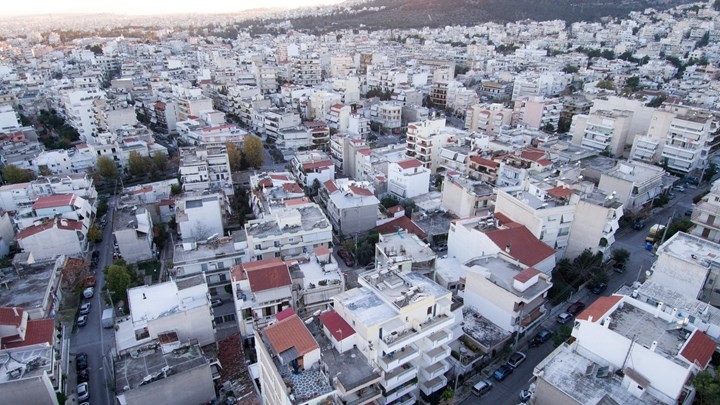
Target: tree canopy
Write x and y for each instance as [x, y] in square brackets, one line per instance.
[106, 167]
[253, 151]
[117, 281]
[13, 174]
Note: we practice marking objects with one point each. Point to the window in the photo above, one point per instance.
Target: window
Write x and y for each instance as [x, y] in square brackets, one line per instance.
[204, 267]
[429, 310]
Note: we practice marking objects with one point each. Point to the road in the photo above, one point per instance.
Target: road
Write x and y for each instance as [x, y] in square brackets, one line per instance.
[93, 339]
[507, 392]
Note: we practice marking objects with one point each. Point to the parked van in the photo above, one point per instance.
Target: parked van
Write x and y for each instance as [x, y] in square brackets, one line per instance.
[482, 388]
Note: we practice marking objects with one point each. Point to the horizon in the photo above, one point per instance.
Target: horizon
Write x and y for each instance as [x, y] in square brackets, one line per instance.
[140, 8]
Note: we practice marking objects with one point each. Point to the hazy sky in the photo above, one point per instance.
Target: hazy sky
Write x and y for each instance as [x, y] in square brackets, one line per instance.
[15, 7]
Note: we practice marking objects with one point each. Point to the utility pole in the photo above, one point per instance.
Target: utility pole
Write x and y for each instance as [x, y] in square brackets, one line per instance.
[666, 228]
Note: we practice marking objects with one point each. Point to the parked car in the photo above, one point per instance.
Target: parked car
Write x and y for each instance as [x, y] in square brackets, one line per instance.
[85, 308]
[482, 387]
[619, 267]
[83, 376]
[502, 372]
[216, 302]
[679, 188]
[525, 395]
[82, 320]
[564, 318]
[543, 336]
[89, 292]
[81, 361]
[599, 288]
[688, 213]
[516, 359]
[575, 308]
[638, 225]
[83, 392]
[346, 257]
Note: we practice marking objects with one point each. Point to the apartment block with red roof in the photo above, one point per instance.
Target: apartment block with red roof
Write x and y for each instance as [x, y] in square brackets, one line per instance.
[53, 237]
[313, 165]
[68, 206]
[351, 206]
[408, 178]
[625, 351]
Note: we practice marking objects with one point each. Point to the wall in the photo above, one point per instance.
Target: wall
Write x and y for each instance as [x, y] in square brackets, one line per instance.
[456, 200]
[191, 387]
[358, 219]
[274, 391]
[52, 242]
[489, 300]
[195, 323]
[34, 390]
[133, 248]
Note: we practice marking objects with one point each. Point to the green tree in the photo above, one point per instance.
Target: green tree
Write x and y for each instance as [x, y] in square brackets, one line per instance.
[707, 386]
[633, 82]
[159, 161]
[94, 233]
[570, 69]
[117, 281]
[175, 189]
[13, 174]
[253, 151]
[102, 207]
[606, 85]
[561, 335]
[106, 167]
[710, 172]
[235, 156]
[137, 164]
[389, 201]
[621, 255]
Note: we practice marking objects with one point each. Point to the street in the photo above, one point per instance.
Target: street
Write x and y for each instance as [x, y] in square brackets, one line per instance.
[507, 392]
[93, 339]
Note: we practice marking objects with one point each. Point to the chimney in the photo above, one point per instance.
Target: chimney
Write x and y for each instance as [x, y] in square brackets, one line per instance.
[507, 248]
[15, 311]
[607, 322]
[674, 312]
[590, 318]
[653, 346]
[658, 309]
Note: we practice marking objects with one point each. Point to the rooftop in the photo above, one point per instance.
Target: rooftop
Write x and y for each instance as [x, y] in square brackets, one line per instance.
[203, 252]
[567, 371]
[402, 289]
[482, 330]
[400, 246]
[313, 272]
[311, 218]
[366, 306]
[151, 302]
[503, 274]
[25, 362]
[147, 366]
[29, 290]
[691, 249]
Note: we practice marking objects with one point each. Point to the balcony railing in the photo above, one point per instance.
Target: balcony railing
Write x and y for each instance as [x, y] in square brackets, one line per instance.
[435, 355]
[399, 376]
[395, 359]
[435, 370]
[428, 387]
[398, 392]
[363, 396]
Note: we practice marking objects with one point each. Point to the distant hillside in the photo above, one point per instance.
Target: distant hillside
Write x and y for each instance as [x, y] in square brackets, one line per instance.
[404, 14]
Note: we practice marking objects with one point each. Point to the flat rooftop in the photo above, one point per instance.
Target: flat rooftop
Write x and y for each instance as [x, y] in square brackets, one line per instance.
[502, 273]
[403, 245]
[312, 273]
[156, 301]
[210, 251]
[692, 249]
[450, 269]
[565, 370]
[311, 217]
[482, 330]
[25, 363]
[366, 306]
[402, 289]
[29, 290]
[435, 222]
[130, 372]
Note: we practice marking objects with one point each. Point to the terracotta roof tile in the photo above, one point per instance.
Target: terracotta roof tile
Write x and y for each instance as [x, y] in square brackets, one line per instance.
[292, 188]
[409, 164]
[290, 333]
[525, 275]
[402, 222]
[267, 274]
[321, 164]
[524, 246]
[330, 186]
[484, 162]
[56, 200]
[285, 313]
[38, 331]
[599, 308]
[560, 192]
[297, 201]
[699, 348]
[337, 326]
[8, 317]
[360, 191]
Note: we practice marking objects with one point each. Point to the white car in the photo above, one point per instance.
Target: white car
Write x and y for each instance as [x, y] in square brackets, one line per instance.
[85, 308]
[564, 318]
[83, 392]
[515, 359]
[89, 292]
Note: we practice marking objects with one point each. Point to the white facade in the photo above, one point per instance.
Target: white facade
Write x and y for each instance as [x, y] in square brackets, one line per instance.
[134, 235]
[199, 217]
[408, 178]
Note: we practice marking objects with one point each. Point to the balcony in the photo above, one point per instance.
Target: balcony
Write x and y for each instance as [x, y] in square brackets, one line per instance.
[435, 355]
[419, 330]
[398, 392]
[363, 396]
[399, 376]
[435, 370]
[406, 400]
[428, 387]
[398, 357]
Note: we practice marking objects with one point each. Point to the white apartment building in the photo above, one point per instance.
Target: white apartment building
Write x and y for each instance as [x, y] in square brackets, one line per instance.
[53, 237]
[312, 165]
[625, 351]
[464, 197]
[288, 232]
[387, 115]
[547, 84]
[77, 107]
[14, 197]
[487, 118]
[276, 121]
[401, 322]
[338, 118]
[133, 232]
[112, 115]
[537, 112]
[351, 206]
[320, 102]
[205, 167]
[408, 178]
[424, 140]
[190, 102]
[460, 98]
[634, 183]
[177, 306]
[602, 130]
[343, 149]
[199, 216]
[67, 206]
[510, 296]
[306, 70]
[706, 215]
[9, 118]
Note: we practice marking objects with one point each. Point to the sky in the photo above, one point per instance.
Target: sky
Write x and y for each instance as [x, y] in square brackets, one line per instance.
[141, 7]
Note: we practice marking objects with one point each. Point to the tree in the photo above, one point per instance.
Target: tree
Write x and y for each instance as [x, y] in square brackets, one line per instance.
[621, 255]
[707, 386]
[253, 151]
[606, 85]
[175, 189]
[389, 201]
[107, 167]
[94, 233]
[13, 174]
[117, 281]
[570, 69]
[710, 172]
[74, 272]
[235, 156]
[633, 83]
[102, 207]
[159, 161]
[137, 164]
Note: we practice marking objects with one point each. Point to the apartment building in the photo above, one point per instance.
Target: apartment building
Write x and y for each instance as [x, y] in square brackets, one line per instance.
[261, 289]
[306, 70]
[635, 184]
[53, 237]
[113, 114]
[602, 130]
[307, 167]
[213, 259]
[190, 102]
[438, 94]
[487, 118]
[483, 169]
[464, 197]
[288, 232]
[401, 322]
[408, 178]
[387, 115]
[547, 84]
[510, 296]
[626, 351]
[515, 167]
[199, 216]
[537, 112]
[205, 168]
[705, 215]
[39, 280]
[338, 117]
[343, 148]
[276, 121]
[66, 206]
[34, 374]
[133, 231]
[7, 233]
[424, 140]
[351, 206]
[77, 108]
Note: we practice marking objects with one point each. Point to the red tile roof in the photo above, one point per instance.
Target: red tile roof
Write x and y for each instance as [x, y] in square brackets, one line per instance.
[360, 191]
[288, 333]
[395, 209]
[409, 164]
[267, 274]
[484, 162]
[56, 200]
[266, 183]
[38, 331]
[281, 177]
[337, 326]
[64, 224]
[330, 186]
[504, 220]
[402, 222]
[297, 201]
[524, 246]
[525, 275]
[599, 308]
[285, 313]
[560, 192]
[8, 317]
[321, 164]
[544, 162]
[365, 151]
[532, 154]
[321, 251]
[699, 348]
[292, 188]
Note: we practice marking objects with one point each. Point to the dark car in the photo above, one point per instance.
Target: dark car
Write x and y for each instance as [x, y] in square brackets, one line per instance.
[575, 308]
[81, 361]
[502, 372]
[599, 288]
[346, 257]
[516, 359]
[216, 302]
[543, 336]
[83, 376]
[638, 225]
[619, 267]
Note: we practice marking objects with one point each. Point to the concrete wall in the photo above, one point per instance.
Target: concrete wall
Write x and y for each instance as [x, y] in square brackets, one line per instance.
[191, 387]
[358, 219]
[52, 242]
[195, 323]
[133, 248]
[34, 390]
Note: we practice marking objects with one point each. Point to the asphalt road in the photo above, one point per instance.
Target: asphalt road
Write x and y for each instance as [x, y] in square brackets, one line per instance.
[93, 339]
[507, 392]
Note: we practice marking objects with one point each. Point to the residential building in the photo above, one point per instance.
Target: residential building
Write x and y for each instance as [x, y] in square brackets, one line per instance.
[351, 206]
[199, 218]
[625, 351]
[706, 215]
[205, 168]
[404, 252]
[483, 169]
[306, 70]
[67, 206]
[487, 118]
[53, 237]
[261, 289]
[169, 368]
[33, 373]
[602, 130]
[181, 307]
[190, 102]
[288, 232]
[213, 259]
[633, 183]
[338, 118]
[511, 296]
[424, 140]
[408, 178]
[470, 238]
[516, 167]
[343, 148]
[387, 115]
[133, 232]
[311, 166]
[537, 112]
[464, 197]
[38, 280]
[7, 233]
